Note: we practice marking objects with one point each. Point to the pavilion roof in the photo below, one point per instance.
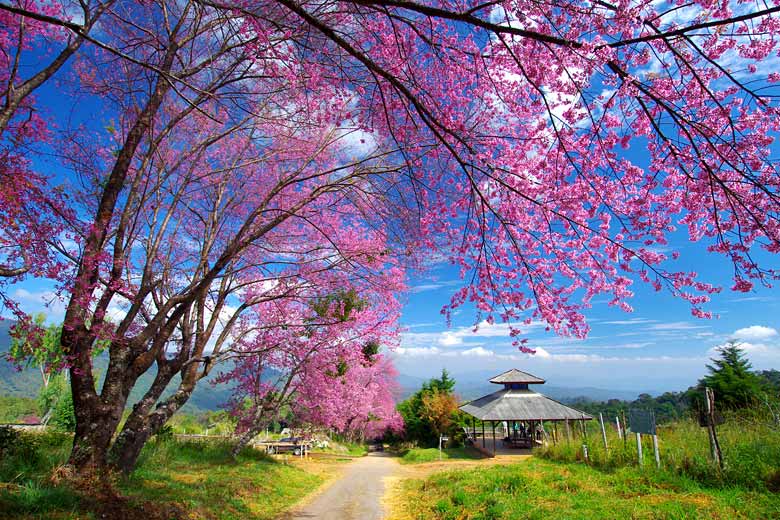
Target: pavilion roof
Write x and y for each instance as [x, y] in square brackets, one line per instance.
[520, 405]
[516, 376]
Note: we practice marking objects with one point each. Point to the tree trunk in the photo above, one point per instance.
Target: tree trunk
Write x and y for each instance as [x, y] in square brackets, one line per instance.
[246, 438]
[127, 447]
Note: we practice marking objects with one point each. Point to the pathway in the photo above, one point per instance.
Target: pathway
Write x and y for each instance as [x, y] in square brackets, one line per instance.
[357, 495]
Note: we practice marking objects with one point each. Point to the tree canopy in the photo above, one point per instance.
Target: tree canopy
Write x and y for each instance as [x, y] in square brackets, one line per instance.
[239, 153]
[732, 379]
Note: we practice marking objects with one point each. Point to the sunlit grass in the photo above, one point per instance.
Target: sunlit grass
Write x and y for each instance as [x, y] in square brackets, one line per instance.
[537, 488]
[199, 478]
[420, 455]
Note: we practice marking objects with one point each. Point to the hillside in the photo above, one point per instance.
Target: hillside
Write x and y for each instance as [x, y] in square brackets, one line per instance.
[27, 382]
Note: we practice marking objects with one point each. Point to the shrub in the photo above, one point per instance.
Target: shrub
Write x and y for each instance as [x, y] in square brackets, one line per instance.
[8, 438]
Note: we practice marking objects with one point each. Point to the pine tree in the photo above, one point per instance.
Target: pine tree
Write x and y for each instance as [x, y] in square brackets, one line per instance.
[731, 378]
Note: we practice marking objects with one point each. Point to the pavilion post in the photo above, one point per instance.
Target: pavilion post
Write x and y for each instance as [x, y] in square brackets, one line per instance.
[493, 424]
[568, 432]
[483, 434]
[555, 433]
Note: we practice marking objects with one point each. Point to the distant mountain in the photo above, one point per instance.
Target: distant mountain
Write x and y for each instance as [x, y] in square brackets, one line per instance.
[474, 385]
[13, 382]
[26, 383]
[469, 391]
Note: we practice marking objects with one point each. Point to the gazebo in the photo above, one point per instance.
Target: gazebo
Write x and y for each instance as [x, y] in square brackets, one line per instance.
[522, 411]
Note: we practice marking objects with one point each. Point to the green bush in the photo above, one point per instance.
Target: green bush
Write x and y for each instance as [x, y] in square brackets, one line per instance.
[31, 455]
[8, 438]
[56, 397]
[165, 433]
[13, 409]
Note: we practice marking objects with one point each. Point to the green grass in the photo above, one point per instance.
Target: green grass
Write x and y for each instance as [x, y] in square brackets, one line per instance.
[420, 455]
[356, 449]
[173, 479]
[13, 409]
[537, 488]
[750, 445]
[203, 478]
[352, 449]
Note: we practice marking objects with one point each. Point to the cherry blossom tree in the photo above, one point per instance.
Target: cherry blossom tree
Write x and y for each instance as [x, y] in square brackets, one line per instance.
[547, 149]
[34, 50]
[360, 404]
[318, 354]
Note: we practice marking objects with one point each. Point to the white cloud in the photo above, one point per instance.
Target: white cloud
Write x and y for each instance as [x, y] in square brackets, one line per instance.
[464, 335]
[676, 325]
[755, 332]
[418, 351]
[478, 351]
[450, 339]
[47, 302]
[632, 321]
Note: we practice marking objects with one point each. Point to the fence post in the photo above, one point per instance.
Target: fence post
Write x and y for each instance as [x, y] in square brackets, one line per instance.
[717, 456]
[603, 433]
[639, 449]
[655, 450]
[625, 430]
[544, 433]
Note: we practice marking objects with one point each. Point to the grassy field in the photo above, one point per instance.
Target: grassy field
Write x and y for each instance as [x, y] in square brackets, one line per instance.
[750, 445]
[422, 455]
[173, 480]
[536, 488]
[557, 483]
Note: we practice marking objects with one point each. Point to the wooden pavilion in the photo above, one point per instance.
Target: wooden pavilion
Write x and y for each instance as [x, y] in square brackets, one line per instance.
[520, 411]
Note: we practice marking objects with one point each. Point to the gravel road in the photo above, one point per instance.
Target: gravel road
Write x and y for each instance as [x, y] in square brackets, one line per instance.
[357, 495]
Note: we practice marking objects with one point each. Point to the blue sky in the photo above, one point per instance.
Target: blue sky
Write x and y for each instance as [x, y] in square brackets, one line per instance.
[658, 347]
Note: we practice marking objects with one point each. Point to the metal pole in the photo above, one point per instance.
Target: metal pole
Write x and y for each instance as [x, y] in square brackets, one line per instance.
[619, 429]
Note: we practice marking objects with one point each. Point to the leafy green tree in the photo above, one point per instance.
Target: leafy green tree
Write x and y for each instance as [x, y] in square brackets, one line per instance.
[36, 344]
[731, 378]
[56, 400]
[420, 424]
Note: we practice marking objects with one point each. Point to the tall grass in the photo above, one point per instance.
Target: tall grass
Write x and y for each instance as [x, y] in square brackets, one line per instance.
[750, 444]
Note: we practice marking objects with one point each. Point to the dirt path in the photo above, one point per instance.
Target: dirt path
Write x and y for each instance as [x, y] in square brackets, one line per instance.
[357, 494]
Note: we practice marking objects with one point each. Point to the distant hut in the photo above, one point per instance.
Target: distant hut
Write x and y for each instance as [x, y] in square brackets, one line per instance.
[520, 411]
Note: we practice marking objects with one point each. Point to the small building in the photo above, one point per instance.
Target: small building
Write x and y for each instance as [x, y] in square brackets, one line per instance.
[521, 413]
